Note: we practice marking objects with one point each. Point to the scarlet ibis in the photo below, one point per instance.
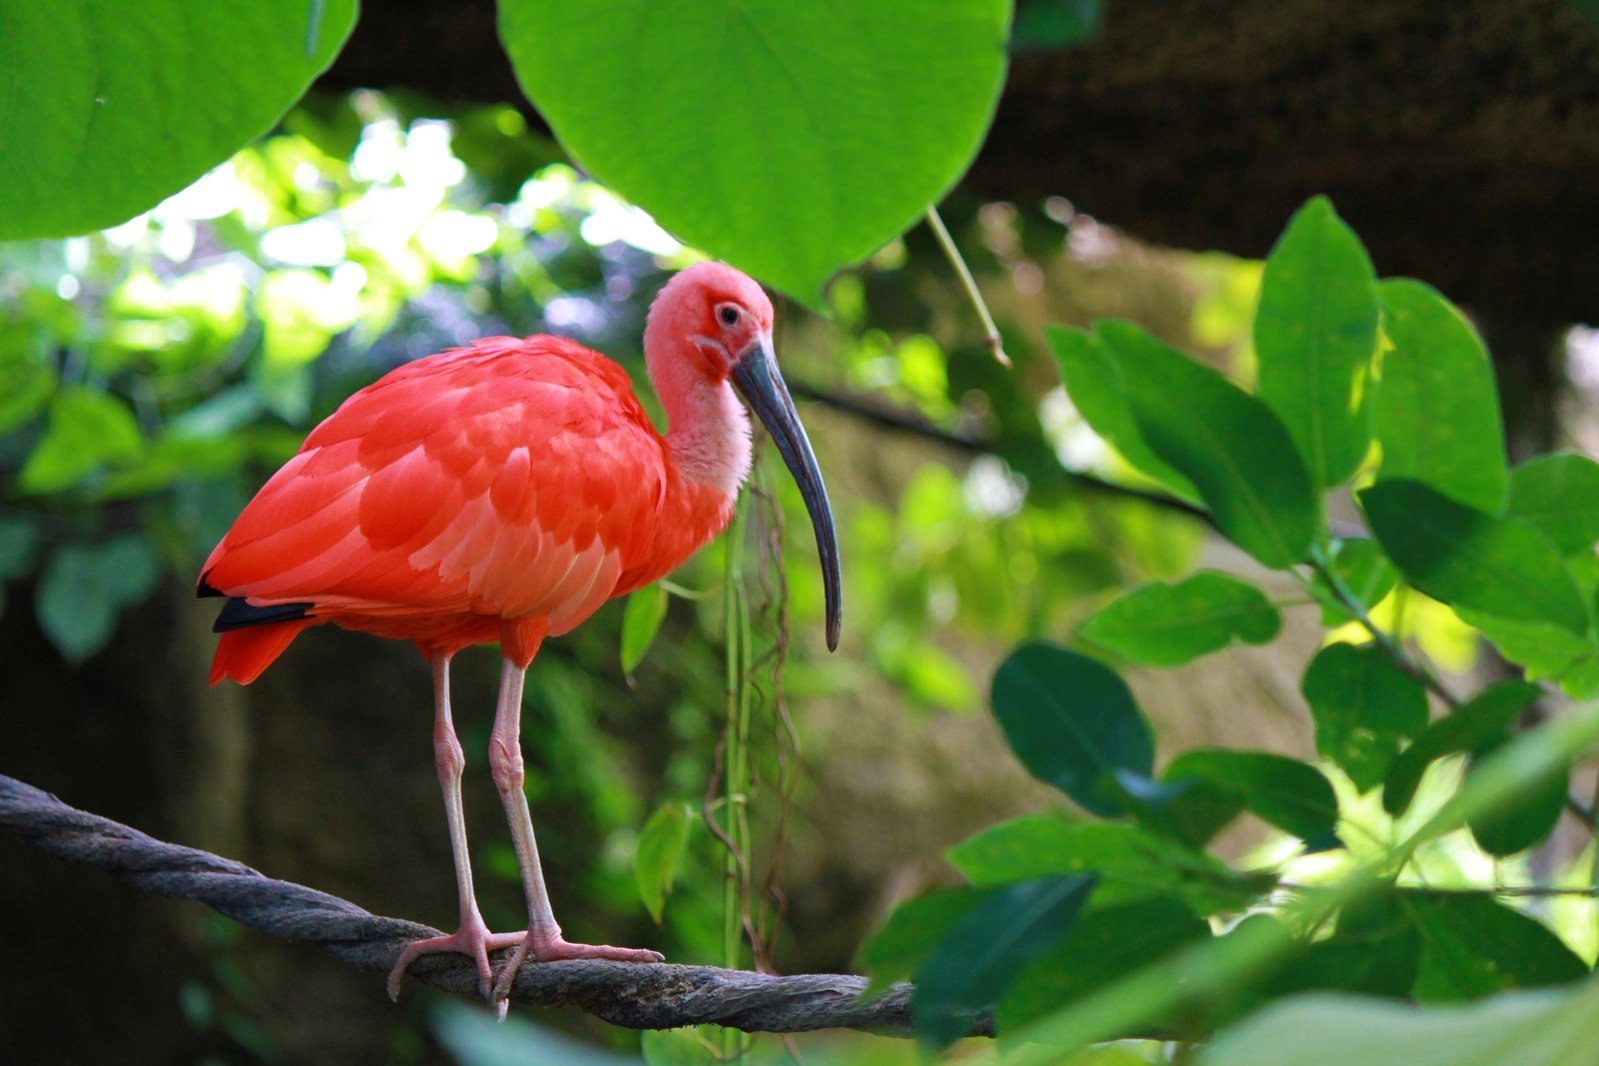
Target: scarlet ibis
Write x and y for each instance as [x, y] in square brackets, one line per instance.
[503, 492]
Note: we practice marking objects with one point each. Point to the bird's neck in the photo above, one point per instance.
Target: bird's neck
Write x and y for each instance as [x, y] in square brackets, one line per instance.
[708, 430]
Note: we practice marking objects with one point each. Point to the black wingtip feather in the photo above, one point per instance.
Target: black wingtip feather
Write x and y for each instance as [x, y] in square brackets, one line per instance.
[237, 613]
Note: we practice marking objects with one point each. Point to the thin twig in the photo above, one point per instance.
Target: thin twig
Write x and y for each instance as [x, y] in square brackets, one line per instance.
[992, 338]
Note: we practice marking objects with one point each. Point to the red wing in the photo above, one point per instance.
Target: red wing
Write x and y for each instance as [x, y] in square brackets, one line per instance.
[514, 478]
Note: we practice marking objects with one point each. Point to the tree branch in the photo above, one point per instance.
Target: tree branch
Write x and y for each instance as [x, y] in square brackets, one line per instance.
[662, 996]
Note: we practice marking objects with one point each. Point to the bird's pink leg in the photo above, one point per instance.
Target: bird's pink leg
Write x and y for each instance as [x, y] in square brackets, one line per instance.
[543, 942]
[473, 937]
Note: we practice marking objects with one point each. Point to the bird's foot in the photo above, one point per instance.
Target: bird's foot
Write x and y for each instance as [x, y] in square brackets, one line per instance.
[472, 939]
[544, 946]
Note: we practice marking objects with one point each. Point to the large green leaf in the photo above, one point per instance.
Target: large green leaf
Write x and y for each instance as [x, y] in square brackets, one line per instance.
[1093, 378]
[789, 139]
[1516, 826]
[1475, 726]
[1374, 949]
[1363, 706]
[1315, 336]
[1557, 1027]
[1465, 557]
[1546, 651]
[1236, 452]
[1168, 625]
[972, 967]
[917, 925]
[1073, 723]
[111, 106]
[1131, 863]
[1437, 409]
[1105, 944]
[1287, 793]
[1559, 496]
[1473, 945]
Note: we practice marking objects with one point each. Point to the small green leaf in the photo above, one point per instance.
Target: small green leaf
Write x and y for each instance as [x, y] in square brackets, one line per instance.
[1315, 336]
[1105, 944]
[82, 589]
[971, 968]
[1436, 406]
[86, 429]
[641, 620]
[115, 107]
[1093, 378]
[1363, 571]
[1168, 625]
[1132, 864]
[1227, 442]
[677, 106]
[1546, 652]
[1050, 24]
[1285, 792]
[1516, 826]
[1073, 723]
[1363, 705]
[1473, 945]
[1465, 557]
[661, 844]
[895, 951]
[1475, 726]
[19, 538]
[1558, 495]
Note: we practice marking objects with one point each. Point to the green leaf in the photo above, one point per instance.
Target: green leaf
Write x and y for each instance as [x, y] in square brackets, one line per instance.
[1558, 1027]
[641, 620]
[1315, 336]
[1105, 944]
[1132, 864]
[1558, 495]
[1473, 945]
[895, 951]
[1285, 792]
[83, 587]
[1363, 571]
[1073, 723]
[1436, 406]
[1049, 24]
[1546, 652]
[1464, 557]
[86, 429]
[789, 139]
[1168, 625]
[1516, 826]
[1093, 378]
[661, 845]
[19, 538]
[1373, 949]
[1230, 445]
[1363, 705]
[1475, 726]
[115, 106]
[971, 968]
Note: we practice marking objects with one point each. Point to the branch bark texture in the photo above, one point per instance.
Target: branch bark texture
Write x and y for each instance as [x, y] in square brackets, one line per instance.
[662, 996]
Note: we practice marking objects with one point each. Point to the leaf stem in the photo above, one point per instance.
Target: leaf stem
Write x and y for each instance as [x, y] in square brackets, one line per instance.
[996, 343]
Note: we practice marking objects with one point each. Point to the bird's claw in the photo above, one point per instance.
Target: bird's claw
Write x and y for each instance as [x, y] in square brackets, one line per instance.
[545, 947]
[472, 940]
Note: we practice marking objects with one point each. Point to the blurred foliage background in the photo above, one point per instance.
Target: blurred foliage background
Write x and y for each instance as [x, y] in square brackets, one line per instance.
[153, 374]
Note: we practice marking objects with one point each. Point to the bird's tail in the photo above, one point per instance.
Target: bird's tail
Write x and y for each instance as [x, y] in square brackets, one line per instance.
[243, 653]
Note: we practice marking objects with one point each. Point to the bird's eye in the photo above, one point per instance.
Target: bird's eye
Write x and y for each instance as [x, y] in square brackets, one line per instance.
[728, 314]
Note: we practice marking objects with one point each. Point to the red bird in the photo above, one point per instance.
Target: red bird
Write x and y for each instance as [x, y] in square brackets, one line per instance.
[502, 493]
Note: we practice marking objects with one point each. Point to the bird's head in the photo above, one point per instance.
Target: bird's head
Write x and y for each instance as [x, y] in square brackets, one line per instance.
[717, 322]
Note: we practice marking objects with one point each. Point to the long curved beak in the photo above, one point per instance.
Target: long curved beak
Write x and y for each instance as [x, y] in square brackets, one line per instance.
[757, 380]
